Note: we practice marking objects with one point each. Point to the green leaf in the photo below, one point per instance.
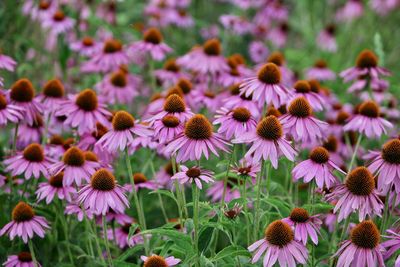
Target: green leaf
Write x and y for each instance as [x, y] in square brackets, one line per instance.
[180, 239]
[280, 206]
[130, 252]
[232, 251]
[165, 193]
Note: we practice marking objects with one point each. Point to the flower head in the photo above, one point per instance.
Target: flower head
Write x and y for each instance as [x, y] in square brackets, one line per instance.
[194, 174]
[159, 261]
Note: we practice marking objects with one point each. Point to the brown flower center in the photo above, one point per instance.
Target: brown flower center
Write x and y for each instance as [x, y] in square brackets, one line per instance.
[193, 172]
[185, 85]
[315, 86]
[279, 233]
[59, 16]
[367, 59]
[369, 109]
[241, 114]
[273, 111]
[212, 47]
[119, 79]
[122, 120]
[54, 88]
[56, 140]
[155, 261]
[300, 107]
[25, 257]
[170, 121]
[360, 181]
[235, 89]
[331, 29]
[302, 87]
[320, 64]
[319, 155]
[57, 180]
[171, 65]
[153, 35]
[22, 91]
[74, 157]
[277, 58]
[270, 128]
[198, 128]
[22, 212]
[174, 90]
[44, 5]
[33, 153]
[87, 41]
[100, 131]
[91, 156]
[174, 104]
[103, 180]
[365, 235]
[87, 100]
[331, 143]
[269, 74]
[3, 102]
[342, 117]
[169, 169]
[391, 151]
[139, 178]
[299, 215]
[112, 46]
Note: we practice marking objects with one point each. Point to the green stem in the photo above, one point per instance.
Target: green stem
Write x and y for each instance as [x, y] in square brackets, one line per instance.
[46, 129]
[158, 193]
[258, 199]
[195, 192]
[226, 178]
[385, 213]
[31, 250]
[110, 262]
[177, 191]
[344, 230]
[14, 147]
[246, 210]
[65, 228]
[353, 157]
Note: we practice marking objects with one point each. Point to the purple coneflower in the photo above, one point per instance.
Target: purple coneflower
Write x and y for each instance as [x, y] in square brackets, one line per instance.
[194, 174]
[141, 181]
[125, 128]
[358, 193]
[9, 112]
[54, 186]
[74, 208]
[122, 236]
[320, 71]
[235, 122]
[75, 167]
[368, 121]
[103, 193]
[86, 47]
[7, 62]
[155, 260]
[22, 95]
[366, 65]
[32, 162]
[83, 111]
[304, 225]
[303, 88]
[258, 51]
[206, 59]
[173, 105]
[351, 10]
[268, 142]
[246, 167]
[151, 44]
[166, 129]
[58, 23]
[392, 245]
[23, 259]
[236, 100]
[216, 190]
[170, 74]
[52, 95]
[266, 87]
[300, 123]
[118, 88]
[25, 223]
[326, 38]
[319, 167]
[279, 245]
[387, 165]
[363, 248]
[196, 140]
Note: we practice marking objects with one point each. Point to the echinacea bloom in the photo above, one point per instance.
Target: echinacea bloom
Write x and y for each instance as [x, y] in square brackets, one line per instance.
[258, 51]
[151, 44]
[173, 105]
[351, 10]
[54, 186]
[234, 122]
[38, 10]
[170, 74]
[74, 208]
[304, 225]
[155, 260]
[58, 23]
[110, 58]
[25, 223]
[103, 193]
[279, 246]
[368, 121]
[233, 212]
[320, 71]
[236, 100]
[216, 190]
[31, 162]
[75, 167]
[23, 259]
[86, 47]
[52, 95]
[266, 87]
[122, 236]
[357, 194]
[9, 112]
[326, 39]
[22, 95]
[300, 123]
[205, 60]
[166, 129]
[7, 62]
[366, 65]
[303, 88]
[392, 245]
[387, 165]
[196, 140]
[268, 142]
[246, 167]
[319, 167]
[140, 180]
[194, 174]
[125, 128]
[363, 248]
[83, 111]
